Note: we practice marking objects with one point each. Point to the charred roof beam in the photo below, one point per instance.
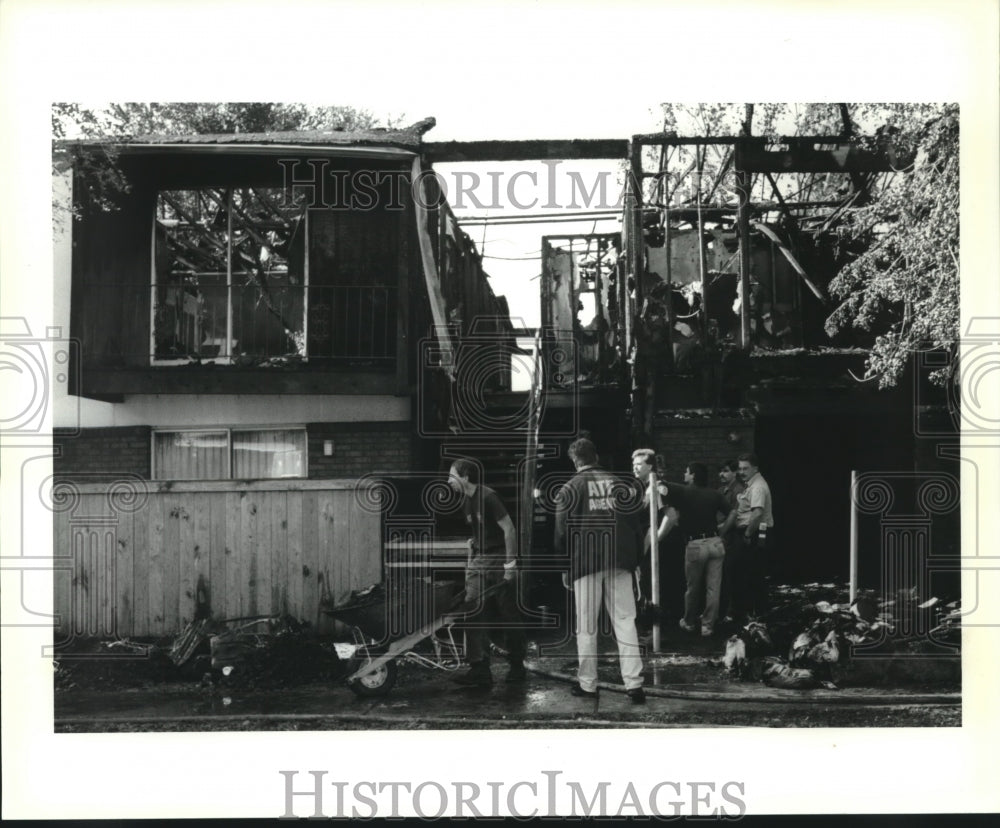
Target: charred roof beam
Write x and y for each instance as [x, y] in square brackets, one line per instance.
[532, 150]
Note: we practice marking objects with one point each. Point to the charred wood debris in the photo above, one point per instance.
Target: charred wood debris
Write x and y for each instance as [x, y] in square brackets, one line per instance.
[809, 637]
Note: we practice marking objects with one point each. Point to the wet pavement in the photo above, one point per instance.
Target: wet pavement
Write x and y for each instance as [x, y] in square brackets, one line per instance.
[684, 689]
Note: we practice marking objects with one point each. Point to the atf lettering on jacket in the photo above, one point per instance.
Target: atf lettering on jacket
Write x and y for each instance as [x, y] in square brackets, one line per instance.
[599, 491]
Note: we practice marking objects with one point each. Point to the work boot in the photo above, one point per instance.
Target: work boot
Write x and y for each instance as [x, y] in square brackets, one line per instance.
[478, 675]
[516, 674]
[636, 695]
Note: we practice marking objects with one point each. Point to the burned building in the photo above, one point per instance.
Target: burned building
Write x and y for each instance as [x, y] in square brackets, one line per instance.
[262, 322]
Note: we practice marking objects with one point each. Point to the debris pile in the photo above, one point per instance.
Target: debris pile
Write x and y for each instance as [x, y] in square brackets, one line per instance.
[107, 665]
[813, 631]
[265, 651]
[271, 651]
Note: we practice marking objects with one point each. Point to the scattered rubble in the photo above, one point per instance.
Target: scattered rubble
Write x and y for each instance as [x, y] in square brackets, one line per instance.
[813, 632]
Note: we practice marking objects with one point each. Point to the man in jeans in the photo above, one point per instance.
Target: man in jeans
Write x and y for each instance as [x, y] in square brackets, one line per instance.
[697, 509]
[492, 561]
[598, 529]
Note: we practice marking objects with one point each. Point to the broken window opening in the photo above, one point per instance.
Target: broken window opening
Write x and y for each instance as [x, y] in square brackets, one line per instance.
[229, 276]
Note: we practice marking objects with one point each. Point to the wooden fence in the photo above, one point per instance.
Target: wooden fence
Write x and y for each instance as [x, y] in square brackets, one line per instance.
[144, 559]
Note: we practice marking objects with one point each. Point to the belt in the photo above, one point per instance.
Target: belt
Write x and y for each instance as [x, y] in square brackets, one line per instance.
[702, 536]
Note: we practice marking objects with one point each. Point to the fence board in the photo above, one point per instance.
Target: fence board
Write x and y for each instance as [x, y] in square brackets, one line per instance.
[265, 534]
[202, 551]
[187, 561]
[108, 568]
[217, 554]
[176, 517]
[157, 547]
[139, 613]
[233, 547]
[248, 554]
[80, 586]
[342, 552]
[293, 559]
[62, 576]
[124, 563]
[325, 552]
[279, 552]
[311, 519]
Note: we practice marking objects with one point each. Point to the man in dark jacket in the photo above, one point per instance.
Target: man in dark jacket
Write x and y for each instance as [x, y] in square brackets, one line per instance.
[598, 529]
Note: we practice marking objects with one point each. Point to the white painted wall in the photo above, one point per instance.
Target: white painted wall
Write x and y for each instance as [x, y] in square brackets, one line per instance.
[230, 409]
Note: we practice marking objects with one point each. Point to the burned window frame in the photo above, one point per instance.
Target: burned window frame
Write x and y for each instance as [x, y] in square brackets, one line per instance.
[296, 333]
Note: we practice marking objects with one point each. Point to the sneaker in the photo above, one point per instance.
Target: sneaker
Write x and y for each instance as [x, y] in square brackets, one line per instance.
[684, 625]
[477, 676]
[636, 695]
[706, 631]
[577, 690]
[516, 674]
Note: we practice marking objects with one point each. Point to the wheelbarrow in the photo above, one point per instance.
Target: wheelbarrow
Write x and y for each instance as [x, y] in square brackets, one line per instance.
[375, 660]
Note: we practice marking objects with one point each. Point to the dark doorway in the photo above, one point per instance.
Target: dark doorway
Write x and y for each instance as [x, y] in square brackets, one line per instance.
[807, 461]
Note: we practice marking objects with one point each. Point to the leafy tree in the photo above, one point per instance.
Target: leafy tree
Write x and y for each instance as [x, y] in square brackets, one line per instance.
[124, 120]
[904, 284]
[897, 232]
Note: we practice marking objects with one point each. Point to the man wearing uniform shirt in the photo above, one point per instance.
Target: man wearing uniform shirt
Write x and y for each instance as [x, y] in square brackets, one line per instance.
[696, 509]
[598, 530]
[754, 524]
[492, 559]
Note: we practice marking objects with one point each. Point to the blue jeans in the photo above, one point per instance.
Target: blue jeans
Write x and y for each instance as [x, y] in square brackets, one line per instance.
[703, 561]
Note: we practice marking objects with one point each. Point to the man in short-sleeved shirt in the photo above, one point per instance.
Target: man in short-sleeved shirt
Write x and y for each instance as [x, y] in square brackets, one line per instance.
[492, 560]
[754, 522]
[753, 504]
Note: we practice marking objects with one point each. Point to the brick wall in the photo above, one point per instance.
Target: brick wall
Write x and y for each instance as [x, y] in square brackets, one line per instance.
[684, 440]
[103, 451]
[359, 448]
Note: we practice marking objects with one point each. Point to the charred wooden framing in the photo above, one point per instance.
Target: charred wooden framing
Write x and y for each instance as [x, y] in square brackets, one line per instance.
[283, 267]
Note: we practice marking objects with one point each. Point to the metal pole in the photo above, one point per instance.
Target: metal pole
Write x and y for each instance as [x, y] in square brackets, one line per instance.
[636, 264]
[654, 562]
[853, 594]
[701, 254]
[671, 314]
[743, 222]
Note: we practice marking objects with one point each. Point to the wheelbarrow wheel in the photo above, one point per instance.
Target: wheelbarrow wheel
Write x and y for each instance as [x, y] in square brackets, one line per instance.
[376, 683]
